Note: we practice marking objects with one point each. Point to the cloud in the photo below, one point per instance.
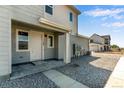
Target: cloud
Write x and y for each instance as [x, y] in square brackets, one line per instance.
[118, 24]
[115, 24]
[115, 13]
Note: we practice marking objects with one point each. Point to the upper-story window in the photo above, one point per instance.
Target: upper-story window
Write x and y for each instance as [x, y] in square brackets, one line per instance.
[71, 17]
[91, 41]
[49, 9]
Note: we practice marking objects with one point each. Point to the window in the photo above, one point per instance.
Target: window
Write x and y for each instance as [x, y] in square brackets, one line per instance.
[22, 40]
[49, 9]
[50, 41]
[91, 41]
[71, 17]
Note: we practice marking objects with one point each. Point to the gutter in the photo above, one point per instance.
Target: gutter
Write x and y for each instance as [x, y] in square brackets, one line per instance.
[83, 36]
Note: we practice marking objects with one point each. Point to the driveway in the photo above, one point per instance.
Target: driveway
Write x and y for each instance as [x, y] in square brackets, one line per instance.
[92, 71]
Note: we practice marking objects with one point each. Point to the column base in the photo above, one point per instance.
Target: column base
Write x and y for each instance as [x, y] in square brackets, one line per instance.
[5, 77]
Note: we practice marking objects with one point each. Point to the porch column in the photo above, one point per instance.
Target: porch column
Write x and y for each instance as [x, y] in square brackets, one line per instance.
[67, 53]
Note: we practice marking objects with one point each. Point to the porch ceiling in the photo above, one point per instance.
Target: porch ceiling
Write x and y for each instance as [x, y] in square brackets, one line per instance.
[38, 28]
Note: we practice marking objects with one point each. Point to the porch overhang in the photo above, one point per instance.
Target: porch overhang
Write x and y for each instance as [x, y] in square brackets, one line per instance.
[58, 27]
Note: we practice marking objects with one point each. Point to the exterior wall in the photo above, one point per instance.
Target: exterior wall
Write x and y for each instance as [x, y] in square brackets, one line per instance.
[107, 39]
[5, 41]
[97, 39]
[83, 42]
[96, 47]
[57, 17]
[21, 57]
[27, 14]
[18, 57]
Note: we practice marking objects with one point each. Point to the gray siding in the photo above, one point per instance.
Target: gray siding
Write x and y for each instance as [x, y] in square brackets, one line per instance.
[5, 41]
[21, 57]
[83, 42]
[29, 14]
[18, 57]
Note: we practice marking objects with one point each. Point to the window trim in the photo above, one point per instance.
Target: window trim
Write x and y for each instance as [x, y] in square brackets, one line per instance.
[48, 42]
[51, 7]
[17, 41]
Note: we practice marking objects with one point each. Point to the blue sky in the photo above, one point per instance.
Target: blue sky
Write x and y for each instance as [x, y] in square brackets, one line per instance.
[102, 19]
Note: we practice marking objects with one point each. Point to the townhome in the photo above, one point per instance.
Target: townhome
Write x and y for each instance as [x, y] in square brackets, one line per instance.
[42, 32]
[99, 43]
[107, 42]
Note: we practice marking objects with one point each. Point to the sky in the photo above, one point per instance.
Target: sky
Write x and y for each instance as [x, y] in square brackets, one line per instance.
[102, 20]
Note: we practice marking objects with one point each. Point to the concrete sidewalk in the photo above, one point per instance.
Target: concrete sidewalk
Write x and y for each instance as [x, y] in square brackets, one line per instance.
[117, 77]
[62, 80]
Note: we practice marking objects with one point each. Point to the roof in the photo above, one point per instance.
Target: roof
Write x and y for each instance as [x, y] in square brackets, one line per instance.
[97, 35]
[106, 36]
[103, 36]
[83, 36]
[74, 9]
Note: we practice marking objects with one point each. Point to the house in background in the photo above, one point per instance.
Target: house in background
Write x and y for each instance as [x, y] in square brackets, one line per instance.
[99, 43]
[42, 32]
[107, 42]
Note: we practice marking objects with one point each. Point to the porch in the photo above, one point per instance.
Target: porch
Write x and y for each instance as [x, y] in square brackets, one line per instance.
[34, 44]
[22, 70]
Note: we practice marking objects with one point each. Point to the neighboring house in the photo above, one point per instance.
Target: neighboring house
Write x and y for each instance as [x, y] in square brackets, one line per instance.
[99, 43]
[107, 42]
[31, 33]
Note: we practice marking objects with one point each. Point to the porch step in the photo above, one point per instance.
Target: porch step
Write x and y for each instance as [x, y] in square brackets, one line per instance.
[62, 80]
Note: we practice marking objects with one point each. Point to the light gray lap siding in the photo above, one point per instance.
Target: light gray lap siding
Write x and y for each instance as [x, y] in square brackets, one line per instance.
[18, 57]
[5, 41]
[80, 41]
[22, 57]
[29, 14]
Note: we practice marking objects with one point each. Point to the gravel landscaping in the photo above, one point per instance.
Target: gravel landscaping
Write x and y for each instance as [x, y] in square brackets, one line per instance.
[38, 80]
[93, 71]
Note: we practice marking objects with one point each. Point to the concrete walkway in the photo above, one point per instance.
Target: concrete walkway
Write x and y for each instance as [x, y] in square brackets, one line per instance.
[62, 80]
[117, 77]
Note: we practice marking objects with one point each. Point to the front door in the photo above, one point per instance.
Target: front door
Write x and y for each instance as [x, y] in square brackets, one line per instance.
[35, 45]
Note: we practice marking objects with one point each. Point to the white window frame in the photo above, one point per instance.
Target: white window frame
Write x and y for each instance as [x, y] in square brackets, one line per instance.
[17, 41]
[48, 41]
[52, 10]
